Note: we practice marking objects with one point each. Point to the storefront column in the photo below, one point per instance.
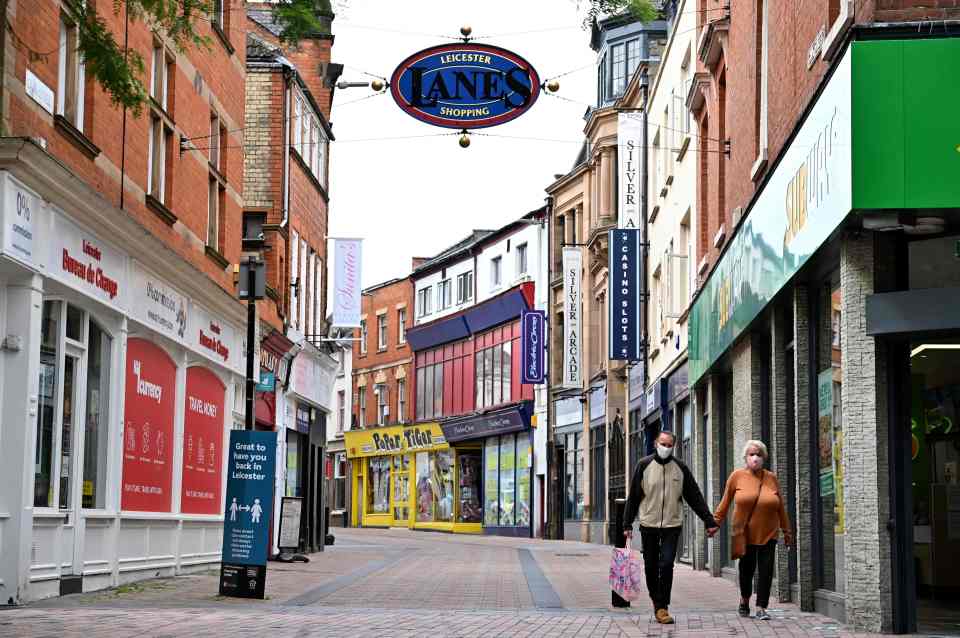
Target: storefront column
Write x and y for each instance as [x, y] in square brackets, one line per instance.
[715, 480]
[779, 430]
[804, 462]
[865, 456]
[747, 400]
[699, 469]
[21, 373]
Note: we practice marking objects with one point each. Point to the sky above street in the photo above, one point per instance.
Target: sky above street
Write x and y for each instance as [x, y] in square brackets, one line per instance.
[416, 196]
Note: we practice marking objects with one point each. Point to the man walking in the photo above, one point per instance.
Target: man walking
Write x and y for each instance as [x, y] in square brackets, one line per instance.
[659, 484]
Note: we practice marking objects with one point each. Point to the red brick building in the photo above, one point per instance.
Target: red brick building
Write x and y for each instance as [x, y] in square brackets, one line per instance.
[382, 358]
[119, 231]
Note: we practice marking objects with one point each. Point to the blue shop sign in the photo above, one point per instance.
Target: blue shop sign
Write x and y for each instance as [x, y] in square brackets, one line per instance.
[532, 341]
[465, 85]
[625, 285]
[267, 382]
[251, 473]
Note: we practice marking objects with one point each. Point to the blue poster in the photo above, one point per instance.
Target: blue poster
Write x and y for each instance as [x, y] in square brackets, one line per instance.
[626, 314]
[532, 341]
[251, 472]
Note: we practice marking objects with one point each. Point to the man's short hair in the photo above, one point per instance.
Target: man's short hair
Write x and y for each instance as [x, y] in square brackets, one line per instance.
[673, 437]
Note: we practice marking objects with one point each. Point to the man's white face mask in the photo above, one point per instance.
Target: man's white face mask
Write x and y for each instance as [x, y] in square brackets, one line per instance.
[664, 451]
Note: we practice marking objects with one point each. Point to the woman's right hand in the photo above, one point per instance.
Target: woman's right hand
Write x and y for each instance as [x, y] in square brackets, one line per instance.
[628, 533]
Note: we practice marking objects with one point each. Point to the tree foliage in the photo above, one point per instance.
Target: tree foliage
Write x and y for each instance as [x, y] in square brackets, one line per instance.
[120, 71]
[642, 10]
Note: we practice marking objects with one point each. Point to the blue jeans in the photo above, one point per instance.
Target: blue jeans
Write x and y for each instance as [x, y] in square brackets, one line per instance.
[659, 553]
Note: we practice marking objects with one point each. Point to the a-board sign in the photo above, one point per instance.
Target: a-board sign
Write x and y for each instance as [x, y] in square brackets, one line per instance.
[246, 522]
[465, 86]
[291, 516]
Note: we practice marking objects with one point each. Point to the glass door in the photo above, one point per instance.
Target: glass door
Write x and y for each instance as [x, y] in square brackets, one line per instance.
[684, 452]
[70, 436]
[401, 490]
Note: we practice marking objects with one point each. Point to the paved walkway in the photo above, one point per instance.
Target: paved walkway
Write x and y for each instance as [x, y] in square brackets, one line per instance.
[383, 583]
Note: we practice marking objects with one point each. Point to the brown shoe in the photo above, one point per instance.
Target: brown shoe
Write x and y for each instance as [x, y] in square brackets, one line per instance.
[663, 617]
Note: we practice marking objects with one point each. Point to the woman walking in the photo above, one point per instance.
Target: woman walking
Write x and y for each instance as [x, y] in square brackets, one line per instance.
[758, 516]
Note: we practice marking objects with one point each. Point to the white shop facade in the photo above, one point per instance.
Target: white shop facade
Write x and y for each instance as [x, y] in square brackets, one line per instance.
[121, 372]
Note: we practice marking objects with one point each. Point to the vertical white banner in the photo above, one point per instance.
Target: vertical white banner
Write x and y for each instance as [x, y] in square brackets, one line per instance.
[572, 321]
[629, 157]
[345, 292]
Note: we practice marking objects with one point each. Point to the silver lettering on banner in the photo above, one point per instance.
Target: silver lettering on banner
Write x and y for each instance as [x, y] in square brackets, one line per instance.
[572, 268]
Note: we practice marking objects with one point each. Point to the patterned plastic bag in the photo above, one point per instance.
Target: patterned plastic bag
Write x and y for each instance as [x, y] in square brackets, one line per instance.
[626, 573]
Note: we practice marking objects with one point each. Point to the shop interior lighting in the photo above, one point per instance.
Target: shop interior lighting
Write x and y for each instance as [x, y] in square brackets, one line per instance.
[934, 346]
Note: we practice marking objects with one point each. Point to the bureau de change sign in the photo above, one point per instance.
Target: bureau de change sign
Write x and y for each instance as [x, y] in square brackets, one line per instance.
[465, 86]
[246, 520]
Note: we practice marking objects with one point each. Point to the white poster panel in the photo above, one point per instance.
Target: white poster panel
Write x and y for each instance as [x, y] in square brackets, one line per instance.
[572, 321]
[20, 210]
[158, 305]
[345, 292]
[629, 158]
[83, 261]
[215, 339]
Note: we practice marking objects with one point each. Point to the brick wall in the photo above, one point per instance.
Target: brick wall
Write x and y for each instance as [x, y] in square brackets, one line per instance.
[390, 364]
[203, 81]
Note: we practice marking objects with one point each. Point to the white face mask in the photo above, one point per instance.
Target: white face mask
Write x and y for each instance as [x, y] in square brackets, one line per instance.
[755, 461]
[664, 452]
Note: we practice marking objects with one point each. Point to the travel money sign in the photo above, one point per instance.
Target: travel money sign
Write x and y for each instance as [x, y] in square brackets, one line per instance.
[465, 86]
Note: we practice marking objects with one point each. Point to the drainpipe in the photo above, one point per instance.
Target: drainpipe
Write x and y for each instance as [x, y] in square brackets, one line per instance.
[285, 198]
[644, 239]
[548, 504]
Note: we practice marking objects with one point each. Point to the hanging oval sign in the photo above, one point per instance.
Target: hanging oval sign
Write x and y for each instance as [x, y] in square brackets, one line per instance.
[465, 86]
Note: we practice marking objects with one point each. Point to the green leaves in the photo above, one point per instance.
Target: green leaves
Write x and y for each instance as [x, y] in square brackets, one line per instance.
[641, 10]
[121, 73]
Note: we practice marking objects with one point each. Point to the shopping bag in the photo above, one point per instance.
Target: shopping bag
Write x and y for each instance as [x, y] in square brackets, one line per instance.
[626, 573]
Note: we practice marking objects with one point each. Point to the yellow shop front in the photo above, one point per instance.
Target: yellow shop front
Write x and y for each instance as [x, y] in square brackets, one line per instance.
[409, 476]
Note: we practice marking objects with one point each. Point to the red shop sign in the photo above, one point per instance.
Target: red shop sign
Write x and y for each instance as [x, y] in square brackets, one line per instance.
[148, 428]
[202, 443]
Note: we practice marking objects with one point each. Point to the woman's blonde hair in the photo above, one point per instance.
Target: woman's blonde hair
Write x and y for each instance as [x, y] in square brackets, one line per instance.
[760, 445]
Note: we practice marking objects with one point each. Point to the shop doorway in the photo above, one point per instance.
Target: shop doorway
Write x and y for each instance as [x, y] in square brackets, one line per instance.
[934, 475]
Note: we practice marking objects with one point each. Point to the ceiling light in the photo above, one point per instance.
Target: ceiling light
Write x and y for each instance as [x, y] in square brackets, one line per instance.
[934, 346]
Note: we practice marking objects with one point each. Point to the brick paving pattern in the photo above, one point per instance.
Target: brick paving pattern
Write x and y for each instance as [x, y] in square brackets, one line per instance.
[384, 583]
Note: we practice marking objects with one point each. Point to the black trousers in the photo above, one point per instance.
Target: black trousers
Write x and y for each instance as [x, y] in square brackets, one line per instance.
[759, 558]
[659, 553]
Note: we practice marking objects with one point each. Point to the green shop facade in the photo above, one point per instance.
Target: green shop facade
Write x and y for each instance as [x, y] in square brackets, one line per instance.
[830, 329]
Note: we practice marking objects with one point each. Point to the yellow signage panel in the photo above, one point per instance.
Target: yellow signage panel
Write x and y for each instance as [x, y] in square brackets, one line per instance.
[394, 439]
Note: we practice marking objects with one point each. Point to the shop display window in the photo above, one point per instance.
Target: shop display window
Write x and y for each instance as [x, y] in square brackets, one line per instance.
[72, 409]
[401, 487]
[830, 437]
[293, 486]
[491, 483]
[435, 487]
[470, 480]
[378, 485]
[573, 477]
[507, 481]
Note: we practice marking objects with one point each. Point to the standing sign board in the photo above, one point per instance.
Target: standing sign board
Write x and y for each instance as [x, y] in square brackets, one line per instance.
[291, 517]
[625, 293]
[246, 522]
[532, 339]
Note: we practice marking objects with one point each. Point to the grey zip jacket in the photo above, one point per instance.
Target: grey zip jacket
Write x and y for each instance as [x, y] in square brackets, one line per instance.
[657, 490]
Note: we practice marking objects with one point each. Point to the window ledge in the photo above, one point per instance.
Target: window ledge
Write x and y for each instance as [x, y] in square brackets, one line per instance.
[684, 145]
[402, 345]
[221, 178]
[76, 137]
[379, 350]
[654, 353]
[653, 213]
[757, 170]
[164, 213]
[668, 182]
[162, 112]
[664, 191]
[215, 255]
[720, 236]
[224, 40]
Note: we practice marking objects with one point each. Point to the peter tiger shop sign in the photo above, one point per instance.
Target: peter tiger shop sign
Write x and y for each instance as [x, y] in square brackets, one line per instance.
[465, 86]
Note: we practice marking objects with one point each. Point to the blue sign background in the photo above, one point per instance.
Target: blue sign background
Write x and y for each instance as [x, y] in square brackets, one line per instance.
[625, 285]
[465, 85]
[532, 341]
[251, 471]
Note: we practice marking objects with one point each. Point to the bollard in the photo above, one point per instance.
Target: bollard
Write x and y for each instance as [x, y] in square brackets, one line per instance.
[619, 540]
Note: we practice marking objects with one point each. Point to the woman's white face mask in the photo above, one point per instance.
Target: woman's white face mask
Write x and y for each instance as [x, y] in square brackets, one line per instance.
[754, 461]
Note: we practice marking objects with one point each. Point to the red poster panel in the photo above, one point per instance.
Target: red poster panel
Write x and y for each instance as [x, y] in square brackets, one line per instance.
[148, 428]
[202, 443]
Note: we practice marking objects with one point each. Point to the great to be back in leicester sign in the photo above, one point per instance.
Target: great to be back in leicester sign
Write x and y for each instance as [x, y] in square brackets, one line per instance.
[465, 86]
